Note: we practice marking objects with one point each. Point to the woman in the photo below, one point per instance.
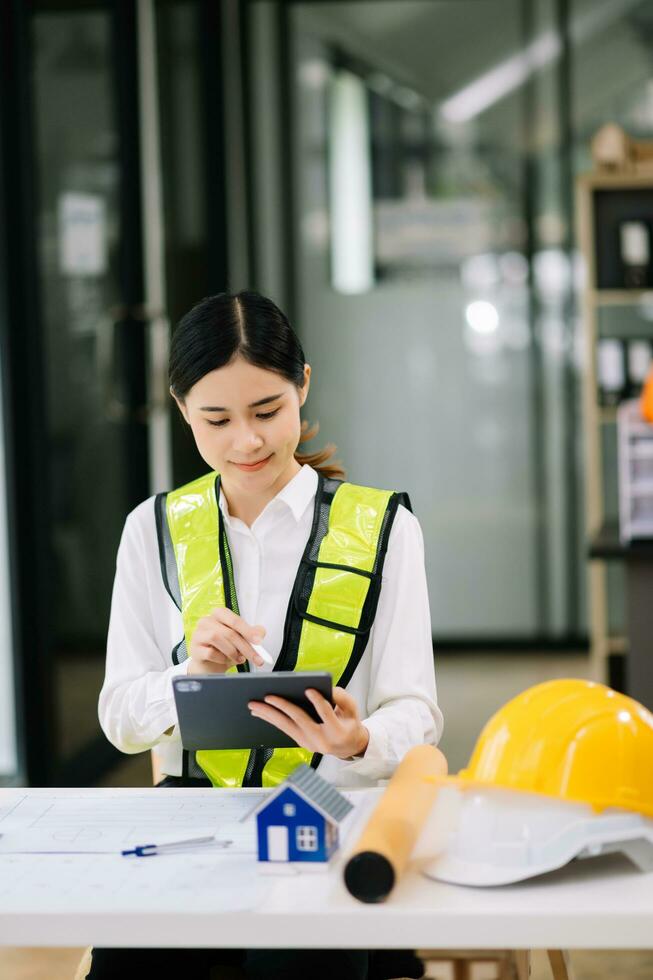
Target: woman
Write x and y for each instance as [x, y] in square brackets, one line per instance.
[280, 521]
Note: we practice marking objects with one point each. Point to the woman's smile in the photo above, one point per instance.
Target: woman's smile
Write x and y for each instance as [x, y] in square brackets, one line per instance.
[251, 467]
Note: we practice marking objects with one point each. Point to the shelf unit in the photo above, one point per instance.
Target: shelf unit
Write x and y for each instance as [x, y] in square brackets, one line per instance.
[621, 297]
[635, 473]
[596, 417]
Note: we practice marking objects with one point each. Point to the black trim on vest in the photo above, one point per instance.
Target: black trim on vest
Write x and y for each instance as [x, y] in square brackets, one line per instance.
[225, 555]
[363, 631]
[287, 659]
[258, 760]
[164, 542]
[329, 564]
[174, 655]
[228, 580]
[225, 562]
[372, 599]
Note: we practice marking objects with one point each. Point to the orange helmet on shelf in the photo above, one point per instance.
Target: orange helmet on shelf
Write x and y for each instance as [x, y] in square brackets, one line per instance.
[646, 399]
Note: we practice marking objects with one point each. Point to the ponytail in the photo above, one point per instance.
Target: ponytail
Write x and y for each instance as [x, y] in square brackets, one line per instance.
[319, 461]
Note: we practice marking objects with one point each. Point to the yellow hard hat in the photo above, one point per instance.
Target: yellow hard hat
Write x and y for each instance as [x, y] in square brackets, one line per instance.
[571, 739]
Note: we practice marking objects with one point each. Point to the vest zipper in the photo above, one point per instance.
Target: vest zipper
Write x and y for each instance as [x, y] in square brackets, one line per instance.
[285, 661]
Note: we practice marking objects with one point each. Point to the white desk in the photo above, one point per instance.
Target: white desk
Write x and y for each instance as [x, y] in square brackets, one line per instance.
[602, 903]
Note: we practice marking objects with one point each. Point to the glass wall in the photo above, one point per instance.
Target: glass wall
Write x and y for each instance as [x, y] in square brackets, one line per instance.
[433, 289]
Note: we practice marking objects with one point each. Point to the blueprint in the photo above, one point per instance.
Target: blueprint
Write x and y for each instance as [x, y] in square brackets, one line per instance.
[74, 837]
[111, 820]
[82, 883]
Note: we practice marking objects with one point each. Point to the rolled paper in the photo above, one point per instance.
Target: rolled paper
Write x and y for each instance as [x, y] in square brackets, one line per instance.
[385, 845]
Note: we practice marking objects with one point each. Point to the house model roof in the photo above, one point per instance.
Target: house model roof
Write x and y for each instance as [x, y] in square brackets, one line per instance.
[315, 790]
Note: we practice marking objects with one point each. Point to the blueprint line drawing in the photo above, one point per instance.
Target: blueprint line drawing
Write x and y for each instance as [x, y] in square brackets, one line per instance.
[114, 821]
[92, 827]
[86, 883]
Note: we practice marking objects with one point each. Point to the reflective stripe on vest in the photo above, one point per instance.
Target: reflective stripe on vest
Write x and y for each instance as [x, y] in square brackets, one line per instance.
[331, 608]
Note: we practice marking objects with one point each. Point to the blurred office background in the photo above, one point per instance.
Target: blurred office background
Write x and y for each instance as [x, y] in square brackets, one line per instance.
[398, 176]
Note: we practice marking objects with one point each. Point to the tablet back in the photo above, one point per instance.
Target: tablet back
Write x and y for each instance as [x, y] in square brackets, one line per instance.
[213, 713]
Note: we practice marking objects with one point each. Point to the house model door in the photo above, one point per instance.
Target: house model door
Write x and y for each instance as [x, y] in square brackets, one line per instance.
[277, 843]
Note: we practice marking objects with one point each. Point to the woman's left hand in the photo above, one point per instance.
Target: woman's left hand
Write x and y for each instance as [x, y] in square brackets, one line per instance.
[341, 732]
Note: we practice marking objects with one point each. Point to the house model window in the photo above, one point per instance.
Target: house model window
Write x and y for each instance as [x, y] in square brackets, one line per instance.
[289, 809]
[307, 838]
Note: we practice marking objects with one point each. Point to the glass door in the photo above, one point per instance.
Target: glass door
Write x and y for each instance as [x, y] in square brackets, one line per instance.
[93, 331]
[112, 214]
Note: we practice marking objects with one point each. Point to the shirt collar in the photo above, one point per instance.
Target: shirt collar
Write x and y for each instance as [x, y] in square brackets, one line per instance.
[300, 492]
[296, 495]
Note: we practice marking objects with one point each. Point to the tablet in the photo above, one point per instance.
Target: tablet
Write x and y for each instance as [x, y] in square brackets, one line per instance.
[213, 713]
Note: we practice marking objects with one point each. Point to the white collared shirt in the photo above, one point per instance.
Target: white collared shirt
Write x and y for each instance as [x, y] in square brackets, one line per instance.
[394, 683]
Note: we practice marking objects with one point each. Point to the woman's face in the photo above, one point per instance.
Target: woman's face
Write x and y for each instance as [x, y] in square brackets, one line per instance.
[246, 424]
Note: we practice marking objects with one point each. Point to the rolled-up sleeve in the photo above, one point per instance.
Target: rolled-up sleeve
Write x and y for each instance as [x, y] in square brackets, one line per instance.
[136, 706]
[402, 708]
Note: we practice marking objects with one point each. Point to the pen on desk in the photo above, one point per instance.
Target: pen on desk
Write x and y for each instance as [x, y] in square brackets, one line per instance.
[179, 846]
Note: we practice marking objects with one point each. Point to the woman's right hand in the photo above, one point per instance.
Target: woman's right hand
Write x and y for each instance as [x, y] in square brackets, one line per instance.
[222, 640]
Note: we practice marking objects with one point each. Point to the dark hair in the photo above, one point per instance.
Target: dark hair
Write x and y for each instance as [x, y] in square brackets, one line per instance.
[248, 325]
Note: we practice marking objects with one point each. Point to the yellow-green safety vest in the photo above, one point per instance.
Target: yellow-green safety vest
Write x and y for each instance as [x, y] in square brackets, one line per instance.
[331, 608]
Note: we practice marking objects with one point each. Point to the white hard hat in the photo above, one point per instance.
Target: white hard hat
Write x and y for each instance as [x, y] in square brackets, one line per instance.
[495, 837]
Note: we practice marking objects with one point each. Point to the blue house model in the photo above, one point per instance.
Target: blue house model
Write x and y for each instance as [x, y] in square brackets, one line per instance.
[299, 820]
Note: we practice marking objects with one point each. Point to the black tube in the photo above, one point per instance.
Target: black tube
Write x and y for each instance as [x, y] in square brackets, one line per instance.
[369, 876]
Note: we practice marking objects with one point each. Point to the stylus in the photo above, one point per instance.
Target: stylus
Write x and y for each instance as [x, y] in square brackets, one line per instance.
[263, 653]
